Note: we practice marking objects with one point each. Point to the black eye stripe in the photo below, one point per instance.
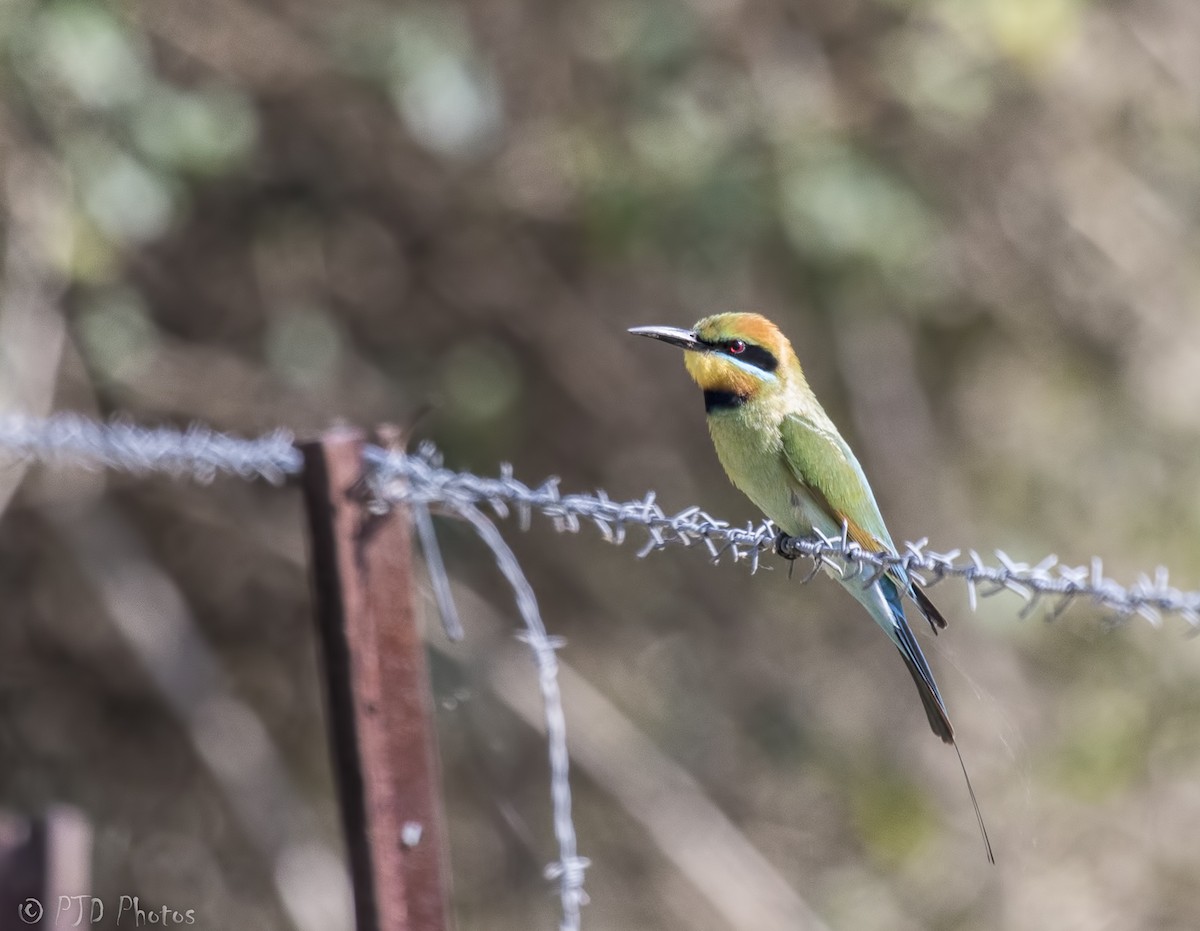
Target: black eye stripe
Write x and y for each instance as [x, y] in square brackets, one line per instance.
[755, 355]
[760, 358]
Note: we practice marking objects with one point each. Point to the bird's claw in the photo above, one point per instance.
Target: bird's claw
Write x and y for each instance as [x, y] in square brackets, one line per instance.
[782, 541]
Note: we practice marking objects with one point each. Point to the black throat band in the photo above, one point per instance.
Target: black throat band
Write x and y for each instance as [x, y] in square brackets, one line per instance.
[722, 400]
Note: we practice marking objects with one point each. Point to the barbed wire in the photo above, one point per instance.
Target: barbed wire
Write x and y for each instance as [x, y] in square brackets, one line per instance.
[569, 869]
[422, 477]
[198, 453]
[202, 454]
[420, 481]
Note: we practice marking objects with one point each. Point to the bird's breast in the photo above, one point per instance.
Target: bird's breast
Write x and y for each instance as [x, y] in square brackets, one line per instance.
[750, 448]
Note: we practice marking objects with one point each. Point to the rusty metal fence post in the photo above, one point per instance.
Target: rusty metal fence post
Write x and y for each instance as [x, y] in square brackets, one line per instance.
[379, 700]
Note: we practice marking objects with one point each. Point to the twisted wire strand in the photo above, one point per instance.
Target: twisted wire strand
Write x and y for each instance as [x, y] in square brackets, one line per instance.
[199, 453]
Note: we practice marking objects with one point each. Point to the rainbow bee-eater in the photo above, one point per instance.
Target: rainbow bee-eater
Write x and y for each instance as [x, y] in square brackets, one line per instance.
[780, 448]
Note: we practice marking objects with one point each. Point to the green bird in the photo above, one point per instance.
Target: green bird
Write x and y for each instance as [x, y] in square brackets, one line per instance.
[779, 447]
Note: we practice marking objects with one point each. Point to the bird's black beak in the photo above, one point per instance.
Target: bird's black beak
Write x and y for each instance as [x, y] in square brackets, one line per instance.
[684, 339]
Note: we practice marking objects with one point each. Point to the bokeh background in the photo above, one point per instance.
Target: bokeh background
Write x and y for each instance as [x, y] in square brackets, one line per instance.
[977, 221]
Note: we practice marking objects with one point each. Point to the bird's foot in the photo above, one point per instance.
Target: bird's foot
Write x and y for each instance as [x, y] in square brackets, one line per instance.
[783, 546]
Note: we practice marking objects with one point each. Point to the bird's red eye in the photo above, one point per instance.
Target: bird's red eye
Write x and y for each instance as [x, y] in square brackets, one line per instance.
[737, 347]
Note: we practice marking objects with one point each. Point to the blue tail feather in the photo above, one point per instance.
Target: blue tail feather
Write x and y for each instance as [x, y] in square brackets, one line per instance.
[906, 643]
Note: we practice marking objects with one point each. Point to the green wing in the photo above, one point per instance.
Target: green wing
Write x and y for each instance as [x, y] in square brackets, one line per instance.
[826, 466]
[821, 461]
